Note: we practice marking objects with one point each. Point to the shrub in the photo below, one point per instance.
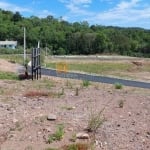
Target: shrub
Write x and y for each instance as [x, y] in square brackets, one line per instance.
[58, 135]
[85, 83]
[95, 121]
[118, 86]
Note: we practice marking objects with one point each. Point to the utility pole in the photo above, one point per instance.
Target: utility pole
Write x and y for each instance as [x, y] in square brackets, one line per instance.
[24, 45]
[46, 50]
[38, 44]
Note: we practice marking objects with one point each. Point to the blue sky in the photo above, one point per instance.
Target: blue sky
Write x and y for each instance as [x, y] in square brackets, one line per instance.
[124, 13]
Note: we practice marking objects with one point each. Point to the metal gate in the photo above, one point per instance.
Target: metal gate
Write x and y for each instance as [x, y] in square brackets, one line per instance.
[36, 63]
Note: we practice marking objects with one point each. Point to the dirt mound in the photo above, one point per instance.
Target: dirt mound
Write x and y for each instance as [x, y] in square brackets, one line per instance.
[8, 66]
[137, 63]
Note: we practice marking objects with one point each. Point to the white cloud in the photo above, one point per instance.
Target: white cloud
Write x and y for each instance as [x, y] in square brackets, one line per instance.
[123, 14]
[76, 10]
[12, 7]
[126, 5]
[79, 2]
[76, 2]
[34, 2]
[44, 13]
[107, 1]
[76, 6]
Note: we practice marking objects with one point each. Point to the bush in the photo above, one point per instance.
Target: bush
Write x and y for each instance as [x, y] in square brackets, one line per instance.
[95, 121]
[86, 83]
[58, 135]
[11, 51]
[118, 86]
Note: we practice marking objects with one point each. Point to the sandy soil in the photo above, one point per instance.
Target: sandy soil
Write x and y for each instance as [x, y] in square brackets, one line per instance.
[8, 66]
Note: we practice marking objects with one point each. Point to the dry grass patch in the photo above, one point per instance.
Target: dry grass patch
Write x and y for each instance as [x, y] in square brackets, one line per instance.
[77, 146]
[96, 119]
[38, 94]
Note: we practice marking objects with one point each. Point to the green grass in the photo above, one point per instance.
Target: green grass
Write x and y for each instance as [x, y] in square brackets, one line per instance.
[8, 76]
[51, 65]
[98, 68]
[85, 83]
[118, 86]
[58, 135]
[13, 58]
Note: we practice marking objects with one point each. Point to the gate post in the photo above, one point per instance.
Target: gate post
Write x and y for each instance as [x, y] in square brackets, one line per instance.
[36, 63]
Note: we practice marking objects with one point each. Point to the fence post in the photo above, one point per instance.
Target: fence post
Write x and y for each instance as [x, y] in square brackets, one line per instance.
[36, 64]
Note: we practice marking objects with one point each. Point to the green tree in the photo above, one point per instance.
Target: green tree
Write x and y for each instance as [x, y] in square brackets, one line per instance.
[16, 17]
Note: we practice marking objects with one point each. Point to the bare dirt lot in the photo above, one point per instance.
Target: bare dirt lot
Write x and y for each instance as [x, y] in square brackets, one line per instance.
[8, 66]
[26, 105]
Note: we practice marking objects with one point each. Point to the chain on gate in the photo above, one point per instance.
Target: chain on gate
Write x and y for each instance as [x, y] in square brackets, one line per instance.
[36, 63]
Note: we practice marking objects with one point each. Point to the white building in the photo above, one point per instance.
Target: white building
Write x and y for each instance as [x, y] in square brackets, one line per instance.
[8, 44]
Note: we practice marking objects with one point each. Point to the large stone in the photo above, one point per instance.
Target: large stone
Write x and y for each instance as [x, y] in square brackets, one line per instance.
[51, 117]
[82, 135]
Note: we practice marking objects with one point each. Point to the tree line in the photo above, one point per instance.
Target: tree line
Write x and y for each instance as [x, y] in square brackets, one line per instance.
[63, 38]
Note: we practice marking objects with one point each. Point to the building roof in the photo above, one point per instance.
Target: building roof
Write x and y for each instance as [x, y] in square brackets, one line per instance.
[8, 43]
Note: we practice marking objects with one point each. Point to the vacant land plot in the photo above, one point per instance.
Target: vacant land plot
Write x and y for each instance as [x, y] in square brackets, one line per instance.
[129, 68]
[61, 114]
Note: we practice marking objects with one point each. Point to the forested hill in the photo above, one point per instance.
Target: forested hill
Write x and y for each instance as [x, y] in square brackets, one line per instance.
[62, 37]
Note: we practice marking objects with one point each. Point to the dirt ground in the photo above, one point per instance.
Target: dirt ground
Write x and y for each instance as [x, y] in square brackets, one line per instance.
[23, 114]
[8, 66]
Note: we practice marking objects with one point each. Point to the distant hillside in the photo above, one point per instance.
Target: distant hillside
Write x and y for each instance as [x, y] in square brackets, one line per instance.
[62, 37]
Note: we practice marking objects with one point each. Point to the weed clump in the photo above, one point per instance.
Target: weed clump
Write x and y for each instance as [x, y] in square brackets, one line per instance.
[85, 83]
[118, 86]
[77, 146]
[58, 135]
[121, 103]
[77, 92]
[96, 119]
